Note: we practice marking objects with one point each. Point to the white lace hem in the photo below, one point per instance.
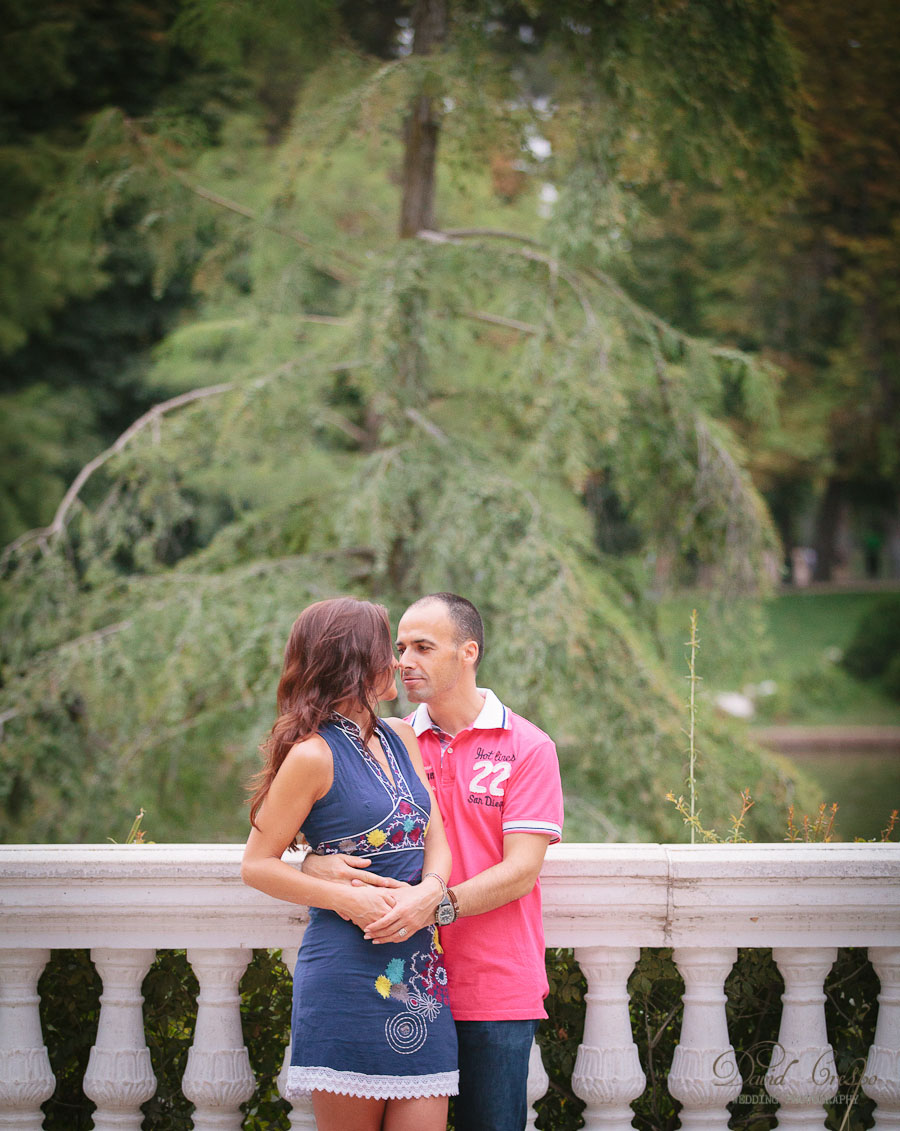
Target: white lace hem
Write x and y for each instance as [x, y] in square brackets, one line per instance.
[303, 1079]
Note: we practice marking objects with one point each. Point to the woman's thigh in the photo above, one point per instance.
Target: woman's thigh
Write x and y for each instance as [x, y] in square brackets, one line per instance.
[429, 1113]
[335, 1112]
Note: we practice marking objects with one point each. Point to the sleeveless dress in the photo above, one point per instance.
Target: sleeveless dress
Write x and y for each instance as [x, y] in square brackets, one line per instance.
[370, 1020]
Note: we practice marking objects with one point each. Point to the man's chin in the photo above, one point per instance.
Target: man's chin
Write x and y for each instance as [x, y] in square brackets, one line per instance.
[414, 694]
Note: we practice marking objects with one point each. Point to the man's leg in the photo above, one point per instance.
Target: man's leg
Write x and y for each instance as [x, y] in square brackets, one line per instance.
[493, 1074]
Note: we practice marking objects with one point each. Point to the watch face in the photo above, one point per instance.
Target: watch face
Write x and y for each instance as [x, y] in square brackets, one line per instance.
[445, 913]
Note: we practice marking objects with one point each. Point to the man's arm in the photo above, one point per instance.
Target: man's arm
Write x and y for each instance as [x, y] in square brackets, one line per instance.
[341, 868]
[513, 877]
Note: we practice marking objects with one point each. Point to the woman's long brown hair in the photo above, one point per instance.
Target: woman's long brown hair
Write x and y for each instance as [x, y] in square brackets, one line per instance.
[338, 650]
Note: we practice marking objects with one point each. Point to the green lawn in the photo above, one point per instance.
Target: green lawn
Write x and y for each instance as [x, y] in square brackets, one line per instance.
[807, 624]
[795, 641]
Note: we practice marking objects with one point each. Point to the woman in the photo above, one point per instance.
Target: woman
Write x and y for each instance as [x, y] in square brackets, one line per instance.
[373, 1039]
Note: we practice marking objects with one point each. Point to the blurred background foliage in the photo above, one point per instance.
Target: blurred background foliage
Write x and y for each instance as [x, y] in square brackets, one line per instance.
[638, 326]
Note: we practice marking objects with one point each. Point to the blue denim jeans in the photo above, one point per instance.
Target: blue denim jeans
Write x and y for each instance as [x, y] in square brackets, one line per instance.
[493, 1075]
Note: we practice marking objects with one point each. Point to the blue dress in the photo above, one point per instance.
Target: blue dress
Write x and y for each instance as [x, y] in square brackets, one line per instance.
[370, 1020]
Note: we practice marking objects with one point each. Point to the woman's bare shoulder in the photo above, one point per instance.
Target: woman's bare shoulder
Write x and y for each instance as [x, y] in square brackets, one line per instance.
[310, 754]
[400, 727]
[407, 736]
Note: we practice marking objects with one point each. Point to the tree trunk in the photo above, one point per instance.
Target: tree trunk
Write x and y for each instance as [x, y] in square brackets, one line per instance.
[827, 532]
[422, 127]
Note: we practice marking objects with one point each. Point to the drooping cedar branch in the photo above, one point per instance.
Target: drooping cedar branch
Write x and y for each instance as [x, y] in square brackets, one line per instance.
[527, 251]
[300, 238]
[45, 534]
[530, 248]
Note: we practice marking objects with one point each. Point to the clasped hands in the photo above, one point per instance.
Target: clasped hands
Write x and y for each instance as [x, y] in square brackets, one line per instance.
[385, 909]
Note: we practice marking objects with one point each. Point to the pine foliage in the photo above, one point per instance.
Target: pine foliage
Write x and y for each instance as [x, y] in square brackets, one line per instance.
[347, 413]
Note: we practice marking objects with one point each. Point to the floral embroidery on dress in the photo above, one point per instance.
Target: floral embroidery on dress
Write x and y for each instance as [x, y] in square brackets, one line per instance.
[423, 993]
[404, 828]
[399, 785]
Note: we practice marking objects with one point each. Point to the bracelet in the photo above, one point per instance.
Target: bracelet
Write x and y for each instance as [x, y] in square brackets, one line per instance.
[440, 880]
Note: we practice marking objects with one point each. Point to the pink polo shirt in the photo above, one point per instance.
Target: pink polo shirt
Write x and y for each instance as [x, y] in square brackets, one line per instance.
[500, 775]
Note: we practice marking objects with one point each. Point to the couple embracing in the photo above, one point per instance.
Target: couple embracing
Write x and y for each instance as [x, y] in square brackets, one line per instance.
[421, 973]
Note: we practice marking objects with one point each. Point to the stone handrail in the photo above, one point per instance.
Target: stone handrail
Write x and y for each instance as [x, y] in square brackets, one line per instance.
[606, 901]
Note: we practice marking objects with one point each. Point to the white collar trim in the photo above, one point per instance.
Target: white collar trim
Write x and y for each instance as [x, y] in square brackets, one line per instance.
[492, 716]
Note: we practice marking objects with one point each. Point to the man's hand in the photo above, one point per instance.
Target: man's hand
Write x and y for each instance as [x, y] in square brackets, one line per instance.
[340, 868]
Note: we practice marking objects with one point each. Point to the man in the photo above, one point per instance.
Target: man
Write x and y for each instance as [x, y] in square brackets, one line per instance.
[496, 779]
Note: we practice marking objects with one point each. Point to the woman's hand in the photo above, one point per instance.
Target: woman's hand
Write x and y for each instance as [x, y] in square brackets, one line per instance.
[340, 868]
[363, 904]
[413, 909]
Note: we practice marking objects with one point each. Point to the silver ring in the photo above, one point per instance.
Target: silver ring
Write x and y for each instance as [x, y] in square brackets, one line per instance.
[402, 932]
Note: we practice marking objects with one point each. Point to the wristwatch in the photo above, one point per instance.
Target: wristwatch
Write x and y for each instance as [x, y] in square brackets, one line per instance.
[447, 910]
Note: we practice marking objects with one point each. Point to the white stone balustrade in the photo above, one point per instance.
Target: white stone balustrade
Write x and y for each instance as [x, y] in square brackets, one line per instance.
[802, 1076]
[301, 1115]
[26, 1079]
[882, 1074]
[124, 902]
[704, 1074]
[607, 1073]
[218, 1078]
[119, 1076]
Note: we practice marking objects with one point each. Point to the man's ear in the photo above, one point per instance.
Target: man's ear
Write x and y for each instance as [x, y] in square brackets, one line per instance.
[469, 651]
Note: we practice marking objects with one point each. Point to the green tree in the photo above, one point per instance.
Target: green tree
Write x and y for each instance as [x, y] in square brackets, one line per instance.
[350, 411]
[814, 282]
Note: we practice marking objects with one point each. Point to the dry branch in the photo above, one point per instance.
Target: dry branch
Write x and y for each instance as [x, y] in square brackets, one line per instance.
[499, 320]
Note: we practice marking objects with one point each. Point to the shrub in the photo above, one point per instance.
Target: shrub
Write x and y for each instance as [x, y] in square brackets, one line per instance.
[70, 990]
[876, 643]
[69, 1005]
[754, 989]
[891, 681]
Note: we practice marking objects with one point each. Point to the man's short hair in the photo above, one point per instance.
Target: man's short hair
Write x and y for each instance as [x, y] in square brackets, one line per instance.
[465, 617]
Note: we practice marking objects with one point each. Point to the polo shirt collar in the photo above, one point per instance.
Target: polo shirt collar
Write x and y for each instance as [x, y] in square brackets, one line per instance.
[492, 716]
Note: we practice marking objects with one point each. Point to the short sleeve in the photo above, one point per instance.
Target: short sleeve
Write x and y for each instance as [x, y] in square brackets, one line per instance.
[533, 801]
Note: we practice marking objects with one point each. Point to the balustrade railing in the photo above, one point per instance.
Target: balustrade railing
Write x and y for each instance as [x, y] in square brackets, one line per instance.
[607, 901]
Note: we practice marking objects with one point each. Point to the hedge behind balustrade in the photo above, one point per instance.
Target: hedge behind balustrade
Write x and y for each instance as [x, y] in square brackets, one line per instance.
[70, 990]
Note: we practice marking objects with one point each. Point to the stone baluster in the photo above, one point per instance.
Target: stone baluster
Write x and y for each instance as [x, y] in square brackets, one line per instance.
[538, 1083]
[882, 1076]
[607, 1072]
[704, 1074]
[802, 1073]
[119, 1076]
[26, 1079]
[218, 1078]
[301, 1117]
